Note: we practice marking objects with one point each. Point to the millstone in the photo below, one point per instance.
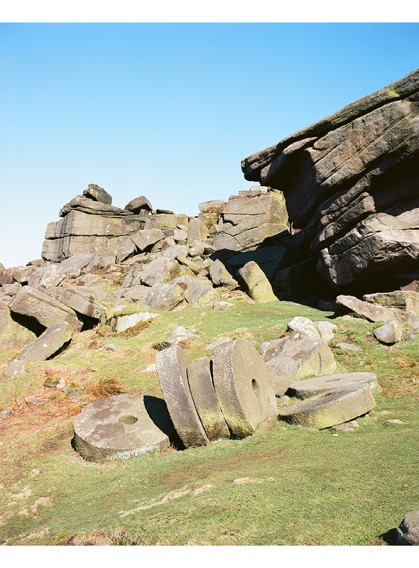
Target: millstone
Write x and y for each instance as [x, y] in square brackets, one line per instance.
[330, 408]
[243, 386]
[122, 426]
[205, 399]
[171, 368]
[318, 385]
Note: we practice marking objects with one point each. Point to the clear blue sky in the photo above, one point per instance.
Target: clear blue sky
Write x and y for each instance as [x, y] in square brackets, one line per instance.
[166, 110]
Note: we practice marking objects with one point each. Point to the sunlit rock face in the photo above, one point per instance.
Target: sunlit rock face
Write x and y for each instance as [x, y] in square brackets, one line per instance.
[351, 187]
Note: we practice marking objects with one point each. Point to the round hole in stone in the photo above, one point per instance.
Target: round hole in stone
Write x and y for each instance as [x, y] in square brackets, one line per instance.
[255, 386]
[128, 419]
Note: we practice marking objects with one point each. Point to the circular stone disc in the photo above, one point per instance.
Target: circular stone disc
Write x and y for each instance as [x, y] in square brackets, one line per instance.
[171, 368]
[330, 408]
[120, 427]
[205, 399]
[243, 386]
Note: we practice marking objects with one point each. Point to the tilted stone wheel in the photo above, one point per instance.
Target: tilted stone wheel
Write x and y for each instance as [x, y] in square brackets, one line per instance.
[243, 386]
[330, 408]
[122, 426]
[205, 399]
[171, 368]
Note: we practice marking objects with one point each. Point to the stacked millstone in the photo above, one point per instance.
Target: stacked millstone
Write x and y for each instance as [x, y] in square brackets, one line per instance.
[205, 401]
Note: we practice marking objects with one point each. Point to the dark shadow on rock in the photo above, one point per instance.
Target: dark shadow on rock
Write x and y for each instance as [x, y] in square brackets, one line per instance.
[159, 414]
[30, 323]
[60, 350]
[391, 538]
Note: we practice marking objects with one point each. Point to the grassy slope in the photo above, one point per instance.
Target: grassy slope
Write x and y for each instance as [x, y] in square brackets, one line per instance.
[283, 485]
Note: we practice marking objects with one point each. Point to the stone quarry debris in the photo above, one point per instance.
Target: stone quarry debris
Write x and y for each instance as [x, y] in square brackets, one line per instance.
[296, 357]
[121, 323]
[171, 369]
[122, 426]
[243, 386]
[330, 408]
[326, 383]
[48, 343]
[363, 309]
[206, 402]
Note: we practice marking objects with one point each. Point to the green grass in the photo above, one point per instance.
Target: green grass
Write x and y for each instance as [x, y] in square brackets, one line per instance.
[284, 485]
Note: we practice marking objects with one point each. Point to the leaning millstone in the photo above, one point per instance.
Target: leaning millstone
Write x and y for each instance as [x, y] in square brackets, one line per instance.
[97, 194]
[48, 343]
[371, 312]
[304, 325]
[408, 531]
[171, 369]
[243, 386]
[121, 323]
[205, 399]
[330, 408]
[14, 368]
[138, 204]
[325, 383]
[122, 426]
[389, 333]
[258, 286]
[296, 357]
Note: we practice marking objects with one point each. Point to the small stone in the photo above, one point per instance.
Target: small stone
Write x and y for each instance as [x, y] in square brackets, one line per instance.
[35, 401]
[408, 531]
[179, 334]
[110, 347]
[304, 325]
[389, 333]
[396, 421]
[14, 368]
[150, 368]
[74, 391]
[347, 426]
[349, 347]
[54, 383]
[326, 329]
[121, 323]
[5, 413]
[221, 306]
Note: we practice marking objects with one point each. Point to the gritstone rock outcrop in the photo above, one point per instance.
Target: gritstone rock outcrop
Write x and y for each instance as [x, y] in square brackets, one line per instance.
[351, 183]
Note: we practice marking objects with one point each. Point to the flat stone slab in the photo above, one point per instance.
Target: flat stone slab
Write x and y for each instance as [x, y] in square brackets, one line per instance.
[371, 312]
[122, 426]
[244, 386]
[171, 369]
[206, 402]
[318, 385]
[330, 408]
[48, 343]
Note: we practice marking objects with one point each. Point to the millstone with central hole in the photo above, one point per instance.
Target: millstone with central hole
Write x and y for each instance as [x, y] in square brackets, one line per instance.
[122, 426]
[171, 366]
[243, 386]
[205, 399]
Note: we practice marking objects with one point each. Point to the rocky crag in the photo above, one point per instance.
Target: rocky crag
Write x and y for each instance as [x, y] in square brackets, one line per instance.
[350, 183]
[338, 211]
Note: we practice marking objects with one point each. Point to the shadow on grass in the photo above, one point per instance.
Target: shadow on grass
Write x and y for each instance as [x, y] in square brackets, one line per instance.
[391, 538]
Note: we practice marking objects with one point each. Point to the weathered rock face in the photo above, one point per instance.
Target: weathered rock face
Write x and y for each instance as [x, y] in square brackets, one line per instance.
[351, 188]
[249, 218]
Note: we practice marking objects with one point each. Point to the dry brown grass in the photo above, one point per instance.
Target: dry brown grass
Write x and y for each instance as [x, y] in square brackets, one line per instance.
[105, 387]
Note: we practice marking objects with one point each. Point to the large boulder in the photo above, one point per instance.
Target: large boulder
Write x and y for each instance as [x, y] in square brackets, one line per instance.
[249, 218]
[38, 310]
[257, 285]
[296, 357]
[12, 334]
[350, 185]
[97, 193]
